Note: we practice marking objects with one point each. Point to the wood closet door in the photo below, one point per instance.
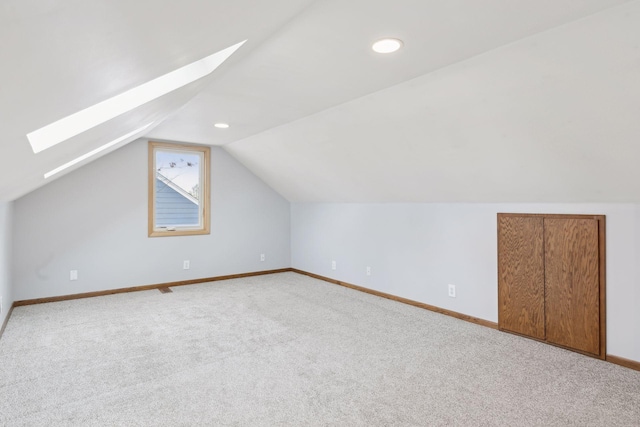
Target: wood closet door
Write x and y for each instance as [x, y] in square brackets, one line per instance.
[572, 283]
[521, 275]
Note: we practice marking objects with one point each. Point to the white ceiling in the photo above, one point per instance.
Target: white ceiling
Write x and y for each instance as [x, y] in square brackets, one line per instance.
[499, 100]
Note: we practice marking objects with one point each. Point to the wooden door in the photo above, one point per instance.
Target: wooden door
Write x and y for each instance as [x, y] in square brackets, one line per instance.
[521, 275]
[572, 283]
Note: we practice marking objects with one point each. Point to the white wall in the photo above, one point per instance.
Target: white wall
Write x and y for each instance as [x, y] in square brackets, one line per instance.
[6, 210]
[415, 250]
[94, 220]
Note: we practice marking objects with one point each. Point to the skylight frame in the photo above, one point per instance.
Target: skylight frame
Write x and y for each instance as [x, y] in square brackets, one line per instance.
[97, 114]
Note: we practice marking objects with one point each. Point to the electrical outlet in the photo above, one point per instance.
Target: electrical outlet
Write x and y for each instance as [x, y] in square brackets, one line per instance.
[186, 264]
[452, 291]
[262, 257]
[73, 275]
[333, 265]
[368, 271]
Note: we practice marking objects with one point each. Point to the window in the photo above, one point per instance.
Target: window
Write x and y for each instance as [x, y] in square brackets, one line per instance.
[178, 189]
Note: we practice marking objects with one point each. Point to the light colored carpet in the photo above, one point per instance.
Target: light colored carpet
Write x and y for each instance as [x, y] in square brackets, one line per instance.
[286, 349]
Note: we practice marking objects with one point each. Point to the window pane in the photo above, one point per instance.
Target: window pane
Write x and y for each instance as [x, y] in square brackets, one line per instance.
[177, 183]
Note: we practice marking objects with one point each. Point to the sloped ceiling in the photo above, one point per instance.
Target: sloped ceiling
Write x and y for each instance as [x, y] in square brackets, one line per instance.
[498, 100]
[61, 56]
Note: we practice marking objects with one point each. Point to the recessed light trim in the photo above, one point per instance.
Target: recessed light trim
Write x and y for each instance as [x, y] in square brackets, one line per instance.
[388, 45]
[90, 117]
[222, 125]
[96, 151]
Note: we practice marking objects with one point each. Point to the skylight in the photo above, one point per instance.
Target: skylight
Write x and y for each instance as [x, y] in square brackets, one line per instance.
[96, 151]
[90, 117]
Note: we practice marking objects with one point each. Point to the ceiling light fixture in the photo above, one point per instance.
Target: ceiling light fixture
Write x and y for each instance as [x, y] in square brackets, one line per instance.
[96, 151]
[387, 45]
[222, 125]
[90, 117]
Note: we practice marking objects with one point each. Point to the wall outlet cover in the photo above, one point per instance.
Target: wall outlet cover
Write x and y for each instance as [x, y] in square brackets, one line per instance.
[452, 291]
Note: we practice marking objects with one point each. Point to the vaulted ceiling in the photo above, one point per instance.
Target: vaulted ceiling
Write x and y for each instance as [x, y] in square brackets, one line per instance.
[499, 100]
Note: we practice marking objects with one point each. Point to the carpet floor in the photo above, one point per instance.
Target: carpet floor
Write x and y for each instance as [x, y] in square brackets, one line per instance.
[286, 349]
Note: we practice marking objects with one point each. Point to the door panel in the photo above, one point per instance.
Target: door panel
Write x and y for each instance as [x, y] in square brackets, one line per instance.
[572, 283]
[521, 275]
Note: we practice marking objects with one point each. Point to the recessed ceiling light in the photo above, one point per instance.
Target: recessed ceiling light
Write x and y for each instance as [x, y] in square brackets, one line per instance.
[96, 151]
[387, 45]
[90, 117]
[221, 125]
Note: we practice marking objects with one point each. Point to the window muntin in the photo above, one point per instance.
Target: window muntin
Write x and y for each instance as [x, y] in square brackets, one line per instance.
[178, 189]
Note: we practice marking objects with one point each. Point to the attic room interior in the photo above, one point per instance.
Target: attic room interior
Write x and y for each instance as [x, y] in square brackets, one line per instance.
[325, 212]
